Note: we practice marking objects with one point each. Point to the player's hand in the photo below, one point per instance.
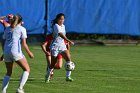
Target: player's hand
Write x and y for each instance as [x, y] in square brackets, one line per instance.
[48, 53]
[31, 55]
[71, 42]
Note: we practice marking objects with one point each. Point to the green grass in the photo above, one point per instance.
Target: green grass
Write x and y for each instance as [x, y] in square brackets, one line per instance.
[98, 70]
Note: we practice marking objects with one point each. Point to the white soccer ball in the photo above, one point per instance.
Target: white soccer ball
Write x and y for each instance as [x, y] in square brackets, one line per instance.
[69, 66]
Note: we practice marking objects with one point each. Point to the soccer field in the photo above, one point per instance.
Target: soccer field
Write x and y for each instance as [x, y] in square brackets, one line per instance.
[99, 69]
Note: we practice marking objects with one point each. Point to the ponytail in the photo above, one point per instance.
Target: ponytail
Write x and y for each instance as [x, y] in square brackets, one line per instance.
[14, 22]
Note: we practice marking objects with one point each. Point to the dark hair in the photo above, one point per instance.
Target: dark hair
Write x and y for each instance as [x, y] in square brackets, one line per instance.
[19, 18]
[58, 16]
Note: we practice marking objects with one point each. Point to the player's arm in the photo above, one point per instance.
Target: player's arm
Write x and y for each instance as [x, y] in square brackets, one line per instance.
[1, 21]
[24, 44]
[68, 46]
[65, 38]
[4, 22]
[43, 46]
[1, 18]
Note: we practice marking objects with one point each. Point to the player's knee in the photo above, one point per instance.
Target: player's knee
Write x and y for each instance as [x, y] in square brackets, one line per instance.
[60, 66]
[68, 58]
[27, 69]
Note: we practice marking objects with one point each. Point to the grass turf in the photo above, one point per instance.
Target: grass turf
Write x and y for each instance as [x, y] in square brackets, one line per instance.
[98, 70]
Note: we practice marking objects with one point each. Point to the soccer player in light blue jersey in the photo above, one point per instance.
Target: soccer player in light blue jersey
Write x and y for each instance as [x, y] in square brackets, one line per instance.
[5, 25]
[13, 53]
[58, 45]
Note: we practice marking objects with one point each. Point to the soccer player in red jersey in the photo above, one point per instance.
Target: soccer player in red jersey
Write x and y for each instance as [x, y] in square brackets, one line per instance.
[4, 22]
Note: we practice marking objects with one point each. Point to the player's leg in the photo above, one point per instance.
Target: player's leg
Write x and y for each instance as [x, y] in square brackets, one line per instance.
[48, 57]
[51, 68]
[67, 57]
[59, 62]
[6, 79]
[56, 64]
[26, 70]
[54, 54]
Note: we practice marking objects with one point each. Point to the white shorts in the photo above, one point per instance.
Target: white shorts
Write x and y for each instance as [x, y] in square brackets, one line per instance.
[13, 57]
[55, 50]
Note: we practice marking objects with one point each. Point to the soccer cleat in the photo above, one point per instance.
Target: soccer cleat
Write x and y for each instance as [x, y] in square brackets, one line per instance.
[47, 78]
[3, 92]
[69, 79]
[20, 91]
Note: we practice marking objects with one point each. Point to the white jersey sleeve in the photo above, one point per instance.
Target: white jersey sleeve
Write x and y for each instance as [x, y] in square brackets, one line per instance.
[58, 28]
[24, 33]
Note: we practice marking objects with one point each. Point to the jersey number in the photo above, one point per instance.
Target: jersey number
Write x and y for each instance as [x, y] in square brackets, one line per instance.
[9, 36]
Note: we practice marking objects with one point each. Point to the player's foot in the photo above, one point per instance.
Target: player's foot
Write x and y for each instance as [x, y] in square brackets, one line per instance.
[47, 78]
[20, 90]
[3, 92]
[47, 81]
[69, 79]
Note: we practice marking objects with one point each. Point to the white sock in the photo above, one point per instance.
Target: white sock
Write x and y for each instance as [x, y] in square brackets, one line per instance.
[5, 83]
[68, 73]
[24, 79]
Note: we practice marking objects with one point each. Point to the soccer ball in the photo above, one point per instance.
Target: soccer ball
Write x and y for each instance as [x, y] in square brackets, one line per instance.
[69, 66]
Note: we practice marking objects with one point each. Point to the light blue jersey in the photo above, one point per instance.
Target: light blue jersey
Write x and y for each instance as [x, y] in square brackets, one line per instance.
[12, 45]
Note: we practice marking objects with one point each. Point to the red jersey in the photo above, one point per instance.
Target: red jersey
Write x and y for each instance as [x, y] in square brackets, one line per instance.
[48, 40]
[6, 24]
